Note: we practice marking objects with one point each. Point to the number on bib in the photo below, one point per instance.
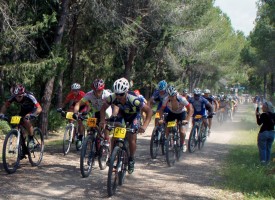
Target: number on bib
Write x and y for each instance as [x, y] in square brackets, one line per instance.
[91, 122]
[69, 115]
[171, 124]
[198, 116]
[15, 119]
[120, 132]
[157, 116]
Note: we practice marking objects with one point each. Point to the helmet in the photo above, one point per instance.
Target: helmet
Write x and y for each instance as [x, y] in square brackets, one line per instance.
[137, 92]
[121, 85]
[206, 91]
[171, 90]
[75, 86]
[98, 84]
[197, 91]
[162, 85]
[19, 89]
[185, 91]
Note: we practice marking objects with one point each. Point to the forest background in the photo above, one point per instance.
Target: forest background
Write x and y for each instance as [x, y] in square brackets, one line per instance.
[48, 45]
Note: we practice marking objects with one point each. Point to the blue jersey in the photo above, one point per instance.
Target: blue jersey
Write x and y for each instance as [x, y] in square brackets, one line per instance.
[199, 106]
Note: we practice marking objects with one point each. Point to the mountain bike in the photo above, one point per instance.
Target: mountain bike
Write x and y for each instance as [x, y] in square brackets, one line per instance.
[16, 145]
[118, 165]
[158, 138]
[221, 115]
[172, 145]
[71, 130]
[92, 147]
[197, 134]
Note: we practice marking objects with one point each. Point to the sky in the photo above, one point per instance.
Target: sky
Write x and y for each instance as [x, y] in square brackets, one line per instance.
[242, 13]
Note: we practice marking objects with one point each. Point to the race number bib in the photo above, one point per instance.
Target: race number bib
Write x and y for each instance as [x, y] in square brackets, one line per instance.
[198, 116]
[15, 119]
[69, 115]
[157, 116]
[171, 124]
[91, 122]
[120, 132]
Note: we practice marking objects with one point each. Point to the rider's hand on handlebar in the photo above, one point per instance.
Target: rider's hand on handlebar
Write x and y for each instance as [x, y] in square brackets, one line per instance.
[75, 116]
[59, 109]
[141, 129]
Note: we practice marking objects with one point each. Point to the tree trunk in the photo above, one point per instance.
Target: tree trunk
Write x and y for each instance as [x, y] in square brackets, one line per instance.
[46, 99]
[129, 62]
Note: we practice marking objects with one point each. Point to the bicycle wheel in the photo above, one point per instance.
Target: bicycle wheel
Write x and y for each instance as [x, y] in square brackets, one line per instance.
[154, 143]
[170, 151]
[178, 150]
[112, 181]
[11, 152]
[87, 156]
[67, 139]
[202, 137]
[123, 167]
[162, 142]
[103, 156]
[36, 153]
[192, 141]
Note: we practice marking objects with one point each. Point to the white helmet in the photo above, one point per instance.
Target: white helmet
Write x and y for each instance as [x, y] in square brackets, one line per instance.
[171, 90]
[206, 91]
[121, 85]
[75, 86]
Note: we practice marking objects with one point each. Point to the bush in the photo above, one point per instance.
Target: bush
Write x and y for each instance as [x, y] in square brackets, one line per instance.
[4, 127]
[55, 120]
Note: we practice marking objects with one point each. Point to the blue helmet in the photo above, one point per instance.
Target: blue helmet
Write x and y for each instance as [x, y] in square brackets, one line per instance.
[162, 85]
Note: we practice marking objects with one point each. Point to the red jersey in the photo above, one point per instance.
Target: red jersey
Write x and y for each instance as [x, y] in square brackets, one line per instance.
[73, 99]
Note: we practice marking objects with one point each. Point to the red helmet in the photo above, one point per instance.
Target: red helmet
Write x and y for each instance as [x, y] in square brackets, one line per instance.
[19, 89]
[98, 84]
[137, 92]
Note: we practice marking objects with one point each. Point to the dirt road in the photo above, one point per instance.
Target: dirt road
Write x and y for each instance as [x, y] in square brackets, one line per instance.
[194, 177]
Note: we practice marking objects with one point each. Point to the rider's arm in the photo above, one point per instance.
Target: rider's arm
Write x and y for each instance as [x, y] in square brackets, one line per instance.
[38, 109]
[3, 109]
[150, 102]
[149, 114]
[190, 111]
[217, 105]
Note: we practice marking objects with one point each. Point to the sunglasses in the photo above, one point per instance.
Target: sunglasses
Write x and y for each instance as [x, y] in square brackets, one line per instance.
[120, 94]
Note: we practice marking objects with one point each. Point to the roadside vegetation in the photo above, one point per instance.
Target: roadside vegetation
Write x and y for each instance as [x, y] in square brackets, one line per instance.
[242, 170]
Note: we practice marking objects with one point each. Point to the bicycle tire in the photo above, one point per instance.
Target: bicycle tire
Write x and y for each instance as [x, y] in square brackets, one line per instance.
[192, 141]
[124, 166]
[11, 154]
[112, 181]
[162, 142]
[178, 150]
[154, 144]
[202, 137]
[36, 154]
[103, 156]
[87, 156]
[170, 151]
[67, 139]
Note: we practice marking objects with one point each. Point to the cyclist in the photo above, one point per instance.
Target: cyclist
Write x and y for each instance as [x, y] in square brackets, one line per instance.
[137, 93]
[159, 95]
[74, 96]
[29, 108]
[94, 99]
[200, 104]
[212, 101]
[185, 94]
[177, 106]
[130, 107]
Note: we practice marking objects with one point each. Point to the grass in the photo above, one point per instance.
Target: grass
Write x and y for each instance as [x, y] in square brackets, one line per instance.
[242, 170]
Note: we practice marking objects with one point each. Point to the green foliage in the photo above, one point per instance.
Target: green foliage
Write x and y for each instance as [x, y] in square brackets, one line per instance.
[4, 127]
[55, 120]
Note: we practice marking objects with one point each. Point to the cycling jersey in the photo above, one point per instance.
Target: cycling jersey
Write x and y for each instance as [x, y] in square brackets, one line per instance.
[96, 102]
[72, 99]
[179, 108]
[210, 99]
[133, 103]
[158, 97]
[128, 112]
[199, 106]
[28, 104]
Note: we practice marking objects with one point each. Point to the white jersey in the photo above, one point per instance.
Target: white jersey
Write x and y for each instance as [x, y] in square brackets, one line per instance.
[177, 107]
[96, 103]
